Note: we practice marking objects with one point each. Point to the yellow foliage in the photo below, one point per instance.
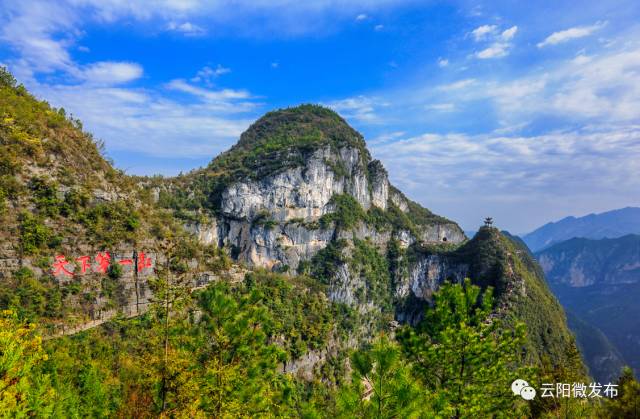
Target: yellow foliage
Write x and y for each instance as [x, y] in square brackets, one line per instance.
[20, 350]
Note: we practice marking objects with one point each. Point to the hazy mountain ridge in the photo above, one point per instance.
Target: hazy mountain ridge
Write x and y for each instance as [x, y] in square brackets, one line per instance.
[581, 262]
[604, 360]
[610, 224]
[599, 281]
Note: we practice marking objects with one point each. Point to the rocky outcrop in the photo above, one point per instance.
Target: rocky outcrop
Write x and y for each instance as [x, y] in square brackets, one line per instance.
[274, 221]
[427, 274]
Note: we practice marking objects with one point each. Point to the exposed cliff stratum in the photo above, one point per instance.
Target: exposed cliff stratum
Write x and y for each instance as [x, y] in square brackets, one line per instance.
[298, 194]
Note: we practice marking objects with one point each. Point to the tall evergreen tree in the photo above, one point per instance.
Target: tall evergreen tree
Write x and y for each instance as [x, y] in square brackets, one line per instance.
[465, 356]
[382, 386]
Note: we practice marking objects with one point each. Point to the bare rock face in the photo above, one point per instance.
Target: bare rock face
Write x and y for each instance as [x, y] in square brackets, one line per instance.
[304, 192]
[428, 273]
[273, 221]
[279, 202]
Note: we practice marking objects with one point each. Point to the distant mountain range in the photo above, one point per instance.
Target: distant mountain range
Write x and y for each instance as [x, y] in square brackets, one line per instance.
[610, 224]
[598, 283]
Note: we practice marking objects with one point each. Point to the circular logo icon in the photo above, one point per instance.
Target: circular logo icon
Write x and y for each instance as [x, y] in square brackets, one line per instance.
[518, 385]
[528, 393]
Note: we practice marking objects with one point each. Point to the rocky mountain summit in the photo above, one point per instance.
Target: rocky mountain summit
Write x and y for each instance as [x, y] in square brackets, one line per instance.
[299, 195]
[278, 196]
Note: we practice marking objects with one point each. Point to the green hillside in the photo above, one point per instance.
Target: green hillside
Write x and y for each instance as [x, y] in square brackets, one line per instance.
[201, 332]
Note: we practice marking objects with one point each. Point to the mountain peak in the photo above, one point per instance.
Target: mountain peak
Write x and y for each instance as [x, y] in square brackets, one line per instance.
[306, 125]
[285, 138]
[611, 224]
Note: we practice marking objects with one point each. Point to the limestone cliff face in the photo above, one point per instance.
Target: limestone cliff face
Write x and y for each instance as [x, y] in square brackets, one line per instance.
[274, 221]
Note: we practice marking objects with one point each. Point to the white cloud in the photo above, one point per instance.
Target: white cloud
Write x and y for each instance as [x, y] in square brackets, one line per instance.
[502, 174]
[604, 87]
[186, 28]
[500, 41]
[508, 34]
[581, 59]
[220, 96]
[147, 122]
[441, 107]
[569, 34]
[111, 72]
[359, 108]
[206, 74]
[460, 84]
[378, 27]
[496, 50]
[29, 30]
[361, 17]
[443, 62]
[481, 32]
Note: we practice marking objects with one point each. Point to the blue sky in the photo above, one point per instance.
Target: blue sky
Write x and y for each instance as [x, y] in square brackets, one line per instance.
[525, 112]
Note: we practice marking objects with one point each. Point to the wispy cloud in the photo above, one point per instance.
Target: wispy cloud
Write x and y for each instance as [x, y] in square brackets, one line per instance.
[508, 34]
[482, 32]
[110, 72]
[359, 108]
[207, 74]
[460, 84]
[496, 50]
[186, 28]
[500, 41]
[207, 94]
[569, 34]
[150, 124]
[442, 107]
[500, 173]
[104, 94]
[443, 62]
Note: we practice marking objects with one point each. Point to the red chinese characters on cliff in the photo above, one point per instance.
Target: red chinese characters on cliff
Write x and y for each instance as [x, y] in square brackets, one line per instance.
[101, 261]
[60, 266]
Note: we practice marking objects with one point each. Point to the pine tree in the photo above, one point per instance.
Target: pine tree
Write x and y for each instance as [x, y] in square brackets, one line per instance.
[464, 355]
[239, 376]
[382, 386]
[627, 403]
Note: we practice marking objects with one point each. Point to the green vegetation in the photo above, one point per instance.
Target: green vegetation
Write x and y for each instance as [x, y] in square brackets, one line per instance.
[24, 390]
[497, 262]
[279, 140]
[111, 223]
[34, 235]
[368, 264]
[627, 404]
[25, 122]
[467, 360]
[283, 136]
[381, 386]
[222, 363]
[264, 219]
[346, 214]
[222, 350]
[226, 361]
